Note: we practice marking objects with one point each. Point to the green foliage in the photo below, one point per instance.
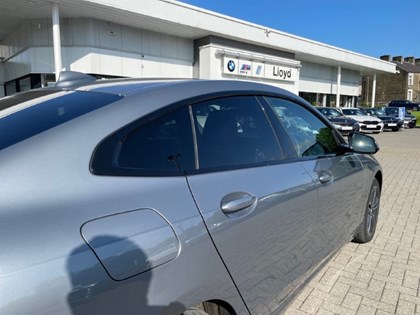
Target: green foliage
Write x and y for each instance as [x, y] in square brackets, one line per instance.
[417, 114]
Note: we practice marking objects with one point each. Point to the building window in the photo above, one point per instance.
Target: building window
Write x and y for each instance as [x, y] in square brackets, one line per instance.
[28, 82]
[410, 79]
[410, 94]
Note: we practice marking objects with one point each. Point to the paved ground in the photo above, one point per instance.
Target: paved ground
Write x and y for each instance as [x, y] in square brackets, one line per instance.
[381, 277]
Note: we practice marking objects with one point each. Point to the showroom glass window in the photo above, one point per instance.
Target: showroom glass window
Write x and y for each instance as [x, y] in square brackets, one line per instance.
[234, 132]
[308, 134]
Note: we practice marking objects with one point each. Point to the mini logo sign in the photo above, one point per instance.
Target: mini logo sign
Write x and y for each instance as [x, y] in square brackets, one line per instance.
[231, 65]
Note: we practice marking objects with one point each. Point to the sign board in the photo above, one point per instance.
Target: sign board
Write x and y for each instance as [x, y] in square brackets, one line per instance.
[258, 69]
[283, 73]
[230, 65]
[401, 113]
[243, 67]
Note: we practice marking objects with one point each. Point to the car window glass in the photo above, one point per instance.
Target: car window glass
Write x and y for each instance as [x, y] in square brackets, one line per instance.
[29, 114]
[308, 134]
[353, 111]
[330, 112]
[233, 131]
[392, 111]
[165, 144]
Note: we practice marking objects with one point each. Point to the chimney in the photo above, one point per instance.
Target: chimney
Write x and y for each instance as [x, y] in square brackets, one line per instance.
[397, 58]
[409, 59]
[385, 57]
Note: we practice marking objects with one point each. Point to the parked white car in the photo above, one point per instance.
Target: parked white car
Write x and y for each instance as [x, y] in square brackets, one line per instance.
[367, 123]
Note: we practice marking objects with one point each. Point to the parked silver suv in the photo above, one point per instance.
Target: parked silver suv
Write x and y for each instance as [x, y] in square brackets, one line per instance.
[173, 197]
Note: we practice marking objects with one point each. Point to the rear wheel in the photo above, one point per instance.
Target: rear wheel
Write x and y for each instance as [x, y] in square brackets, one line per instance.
[367, 228]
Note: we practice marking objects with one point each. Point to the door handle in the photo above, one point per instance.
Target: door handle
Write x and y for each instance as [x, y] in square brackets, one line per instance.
[325, 177]
[237, 201]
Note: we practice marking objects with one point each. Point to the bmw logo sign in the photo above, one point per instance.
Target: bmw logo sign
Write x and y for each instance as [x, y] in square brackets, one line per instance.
[231, 65]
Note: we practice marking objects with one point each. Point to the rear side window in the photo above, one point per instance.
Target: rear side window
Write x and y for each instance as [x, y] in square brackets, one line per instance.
[160, 147]
[234, 132]
[20, 121]
[230, 132]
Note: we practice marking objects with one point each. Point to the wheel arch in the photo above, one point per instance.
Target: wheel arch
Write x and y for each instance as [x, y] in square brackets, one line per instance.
[216, 307]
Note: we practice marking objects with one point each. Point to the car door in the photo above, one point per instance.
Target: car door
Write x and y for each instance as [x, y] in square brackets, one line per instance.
[338, 176]
[259, 208]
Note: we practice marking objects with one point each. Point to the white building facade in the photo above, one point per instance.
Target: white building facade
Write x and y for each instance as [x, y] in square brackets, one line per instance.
[169, 39]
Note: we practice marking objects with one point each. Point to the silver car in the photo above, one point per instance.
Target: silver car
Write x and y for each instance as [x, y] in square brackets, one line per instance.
[173, 197]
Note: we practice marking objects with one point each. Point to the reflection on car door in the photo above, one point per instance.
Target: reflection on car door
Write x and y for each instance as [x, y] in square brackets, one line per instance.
[340, 183]
[339, 177]
[260, 212]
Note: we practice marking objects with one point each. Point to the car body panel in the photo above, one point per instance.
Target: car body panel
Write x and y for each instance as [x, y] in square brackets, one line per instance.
[37, 187]
[142, 228]
[266, 266]
[56, 214]
[340, 201]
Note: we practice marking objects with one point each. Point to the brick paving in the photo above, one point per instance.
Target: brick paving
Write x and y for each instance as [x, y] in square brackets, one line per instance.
[381, 277]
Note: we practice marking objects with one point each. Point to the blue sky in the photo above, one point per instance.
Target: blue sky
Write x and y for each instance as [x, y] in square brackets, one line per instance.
[369, 27]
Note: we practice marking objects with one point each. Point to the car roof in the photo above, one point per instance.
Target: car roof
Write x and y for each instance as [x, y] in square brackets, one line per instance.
[70, 80]
[185, 88]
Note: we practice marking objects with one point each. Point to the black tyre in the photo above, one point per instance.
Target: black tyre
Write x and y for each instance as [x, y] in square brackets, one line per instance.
[367, 228]
[194, 311]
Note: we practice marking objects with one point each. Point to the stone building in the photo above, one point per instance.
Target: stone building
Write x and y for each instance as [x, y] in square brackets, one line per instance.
[404, 84]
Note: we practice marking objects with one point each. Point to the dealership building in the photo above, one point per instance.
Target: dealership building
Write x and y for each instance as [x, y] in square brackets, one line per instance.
[169, 39]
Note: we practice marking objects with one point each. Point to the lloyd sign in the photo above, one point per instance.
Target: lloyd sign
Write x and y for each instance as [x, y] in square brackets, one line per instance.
[235, 66]
[276, 72]
[282, 73]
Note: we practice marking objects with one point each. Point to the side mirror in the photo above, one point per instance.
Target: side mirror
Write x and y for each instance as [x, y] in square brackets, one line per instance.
[361, 143]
